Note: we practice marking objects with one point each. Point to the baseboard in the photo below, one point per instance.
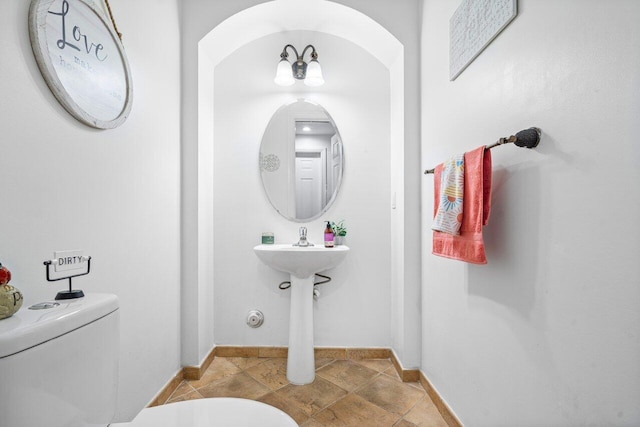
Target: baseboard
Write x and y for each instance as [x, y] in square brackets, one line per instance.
[248, 351]
[196, 372]
[166, 391]
[407, 375]
[342, 353]
[185, 373]
[446, 412]
[415, 375]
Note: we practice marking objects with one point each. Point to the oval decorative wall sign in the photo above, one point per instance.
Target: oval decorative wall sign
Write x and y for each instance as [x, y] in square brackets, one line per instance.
[82, 60]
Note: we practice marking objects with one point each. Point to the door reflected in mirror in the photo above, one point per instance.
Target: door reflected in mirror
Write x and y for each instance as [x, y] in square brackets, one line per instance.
[301, 161]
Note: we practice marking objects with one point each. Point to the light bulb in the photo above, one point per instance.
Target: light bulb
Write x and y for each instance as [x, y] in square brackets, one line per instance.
[314, 74]
[284, 77]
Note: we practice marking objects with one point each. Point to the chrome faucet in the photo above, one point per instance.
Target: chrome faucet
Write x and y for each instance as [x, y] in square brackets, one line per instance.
[303, 242]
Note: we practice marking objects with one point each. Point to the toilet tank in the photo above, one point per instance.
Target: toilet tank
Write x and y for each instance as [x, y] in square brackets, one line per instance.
[59, 365]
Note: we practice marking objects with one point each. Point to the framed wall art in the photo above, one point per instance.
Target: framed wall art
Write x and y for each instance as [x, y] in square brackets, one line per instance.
[82, 60]
[473, 27]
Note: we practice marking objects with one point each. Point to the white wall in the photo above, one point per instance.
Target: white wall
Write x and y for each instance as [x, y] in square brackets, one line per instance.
[547, 332]
[402, 19]
[353, 309]
[113, 193]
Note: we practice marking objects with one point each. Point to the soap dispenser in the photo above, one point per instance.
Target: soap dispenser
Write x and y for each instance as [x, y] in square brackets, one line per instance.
[328, 236]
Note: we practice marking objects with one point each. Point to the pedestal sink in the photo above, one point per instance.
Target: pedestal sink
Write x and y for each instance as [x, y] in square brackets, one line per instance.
[301, 263]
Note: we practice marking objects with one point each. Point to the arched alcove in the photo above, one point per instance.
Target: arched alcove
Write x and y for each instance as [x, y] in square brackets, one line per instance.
[244, 27]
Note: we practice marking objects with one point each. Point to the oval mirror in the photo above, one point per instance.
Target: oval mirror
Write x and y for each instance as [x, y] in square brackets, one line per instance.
[301, 161]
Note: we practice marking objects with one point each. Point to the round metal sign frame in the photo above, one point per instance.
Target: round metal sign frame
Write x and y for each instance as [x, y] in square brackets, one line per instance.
[82, 60]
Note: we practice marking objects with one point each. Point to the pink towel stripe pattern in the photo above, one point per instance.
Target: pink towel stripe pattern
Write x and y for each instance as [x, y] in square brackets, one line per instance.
[469, 245]
[450, 210]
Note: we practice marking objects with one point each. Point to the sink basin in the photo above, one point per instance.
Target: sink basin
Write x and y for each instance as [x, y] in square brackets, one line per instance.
[301, 263]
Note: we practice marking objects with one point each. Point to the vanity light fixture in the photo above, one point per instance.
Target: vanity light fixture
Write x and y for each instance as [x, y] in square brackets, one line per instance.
[287, 73]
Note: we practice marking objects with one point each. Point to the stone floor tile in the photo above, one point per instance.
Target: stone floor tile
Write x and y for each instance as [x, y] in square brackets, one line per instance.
[188, 396]
[354, 411]
[404, 423]
[347, 374]
[392, 373]
[390, 394]
[245, 362]
[313, 397]
[271, 372]
[221, 367]
[321, 362]
[285, 404]
[238, 385]
[379, 365]
[312, 423]
[425, 414]
[183, 388]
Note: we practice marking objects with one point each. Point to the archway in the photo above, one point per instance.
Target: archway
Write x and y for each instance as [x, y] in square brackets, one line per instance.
[242, 28]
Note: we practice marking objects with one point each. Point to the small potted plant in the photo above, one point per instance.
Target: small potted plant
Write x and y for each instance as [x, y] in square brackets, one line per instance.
[339, 232]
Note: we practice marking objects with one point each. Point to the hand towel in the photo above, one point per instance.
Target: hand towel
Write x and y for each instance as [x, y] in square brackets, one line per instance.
[468, 246]
[449, 214]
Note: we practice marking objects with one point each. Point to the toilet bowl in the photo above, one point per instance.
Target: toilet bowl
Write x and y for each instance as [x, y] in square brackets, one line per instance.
[215, 412]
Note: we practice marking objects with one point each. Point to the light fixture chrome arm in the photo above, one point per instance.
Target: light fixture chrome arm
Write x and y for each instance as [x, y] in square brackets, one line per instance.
[314, 54]
[285, 55]
[299, 67]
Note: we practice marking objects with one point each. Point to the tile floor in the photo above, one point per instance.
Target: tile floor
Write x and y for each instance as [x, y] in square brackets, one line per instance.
[344, 393]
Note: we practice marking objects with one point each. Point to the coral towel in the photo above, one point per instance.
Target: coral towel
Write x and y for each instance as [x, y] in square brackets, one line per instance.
[476, 205]
[448, 217]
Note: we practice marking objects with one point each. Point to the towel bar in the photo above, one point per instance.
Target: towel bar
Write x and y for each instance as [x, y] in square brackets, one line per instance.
[528, 138]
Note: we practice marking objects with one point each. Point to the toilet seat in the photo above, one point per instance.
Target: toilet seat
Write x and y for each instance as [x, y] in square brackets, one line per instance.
[212, 412]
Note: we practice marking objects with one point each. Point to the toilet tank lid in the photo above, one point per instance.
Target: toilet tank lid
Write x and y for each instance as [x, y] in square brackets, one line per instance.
[28, 328]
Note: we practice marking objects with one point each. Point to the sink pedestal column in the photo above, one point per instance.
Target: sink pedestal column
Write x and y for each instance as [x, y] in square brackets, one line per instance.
[300, 360]
[301, 263]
